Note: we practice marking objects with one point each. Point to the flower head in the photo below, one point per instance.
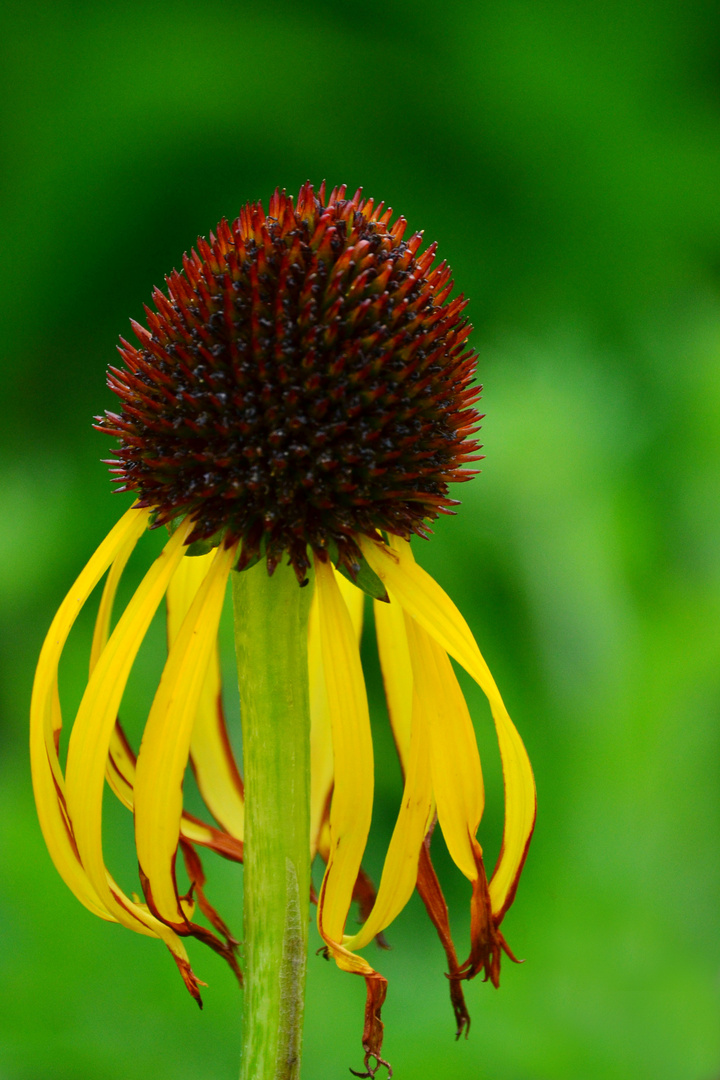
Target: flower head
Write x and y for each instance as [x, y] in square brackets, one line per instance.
[302, 392]
[305, 383]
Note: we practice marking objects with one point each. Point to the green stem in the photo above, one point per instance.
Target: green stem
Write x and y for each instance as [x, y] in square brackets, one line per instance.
[271, 617]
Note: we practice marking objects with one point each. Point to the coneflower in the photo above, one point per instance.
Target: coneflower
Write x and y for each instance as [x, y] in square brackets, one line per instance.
[294, 412]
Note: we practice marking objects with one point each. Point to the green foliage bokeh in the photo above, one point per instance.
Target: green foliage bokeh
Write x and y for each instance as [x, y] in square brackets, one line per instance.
[566, 158]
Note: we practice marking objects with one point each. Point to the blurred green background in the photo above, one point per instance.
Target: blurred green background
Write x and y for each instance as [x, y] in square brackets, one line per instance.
[566, 157]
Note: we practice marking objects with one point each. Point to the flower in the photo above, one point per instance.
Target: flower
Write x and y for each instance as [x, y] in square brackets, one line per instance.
[303, 391]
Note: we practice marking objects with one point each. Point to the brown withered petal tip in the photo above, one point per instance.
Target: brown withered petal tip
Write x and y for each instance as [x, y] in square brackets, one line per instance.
[305, 380]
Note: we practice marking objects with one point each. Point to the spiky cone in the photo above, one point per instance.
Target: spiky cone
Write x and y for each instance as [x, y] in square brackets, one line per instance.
[304, 393]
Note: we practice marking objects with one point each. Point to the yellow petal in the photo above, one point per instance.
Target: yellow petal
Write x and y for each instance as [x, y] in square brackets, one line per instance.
[456, 774]
[401, 863]
[396, 672]
[198, 832]
[376, 989]
[120, 767]
[213, 761]
[121, 778]
[354, 601]
[92, 731]
[351, 808]
[46, 717]
[423, 599]
[182, 590]
[323, 844]
[165, 745]
[107, 601]
[321, 751]
[338, 631]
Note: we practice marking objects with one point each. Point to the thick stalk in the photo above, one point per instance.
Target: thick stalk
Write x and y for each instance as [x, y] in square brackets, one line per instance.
[271, 618]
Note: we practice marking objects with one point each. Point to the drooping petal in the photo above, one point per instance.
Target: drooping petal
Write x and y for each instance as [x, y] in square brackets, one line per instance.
[120, 775]
[400, 869]
[321, 750]
[120, 769]
[216, 771]
[375, 991]
[165, 745]
[90, 739]
[431, 894]
[456, 773]
[196, 831]
[457, 782]
[46, 716]
[354, 601]
[364, 892]
[209, 730]
[101, 631]
[423, 599]
[60, 827]
[396, 672]
[365, 895]
[121, 763]
[196, 874]
[351, 808]
[399, 691]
